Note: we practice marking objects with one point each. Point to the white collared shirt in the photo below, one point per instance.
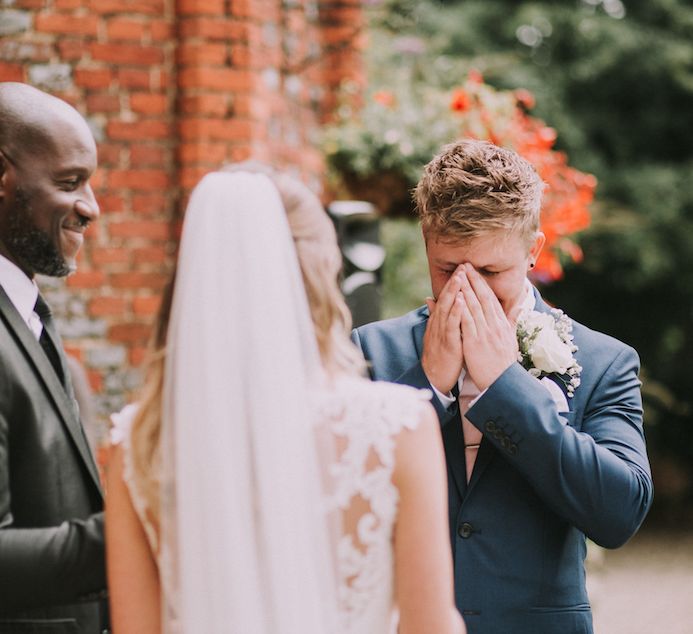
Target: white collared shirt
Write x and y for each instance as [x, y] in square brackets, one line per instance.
[22, 292]
[528, 303]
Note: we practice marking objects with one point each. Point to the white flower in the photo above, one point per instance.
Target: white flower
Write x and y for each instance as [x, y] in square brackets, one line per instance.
[549, 353]
[546, 347]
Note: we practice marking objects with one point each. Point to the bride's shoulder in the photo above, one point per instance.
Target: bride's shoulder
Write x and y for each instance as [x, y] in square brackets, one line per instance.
[121, 423]
[394, 404]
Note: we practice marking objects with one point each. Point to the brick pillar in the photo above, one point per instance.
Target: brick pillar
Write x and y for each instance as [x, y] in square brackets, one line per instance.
[172, 89]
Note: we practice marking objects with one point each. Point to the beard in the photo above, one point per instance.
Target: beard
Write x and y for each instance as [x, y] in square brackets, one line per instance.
[34, 248]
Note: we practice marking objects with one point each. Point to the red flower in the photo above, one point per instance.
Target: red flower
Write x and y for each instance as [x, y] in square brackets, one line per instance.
[525, 99]
[384, 98]
[475, 77]
[460, 101]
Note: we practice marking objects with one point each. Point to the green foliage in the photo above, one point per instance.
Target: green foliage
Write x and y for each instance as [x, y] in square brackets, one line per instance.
[615, 78]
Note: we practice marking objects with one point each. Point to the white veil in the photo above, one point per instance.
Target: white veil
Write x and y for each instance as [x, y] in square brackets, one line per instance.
[245, 545]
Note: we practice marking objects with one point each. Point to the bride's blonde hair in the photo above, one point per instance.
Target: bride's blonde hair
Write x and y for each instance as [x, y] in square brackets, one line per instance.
[320, 261]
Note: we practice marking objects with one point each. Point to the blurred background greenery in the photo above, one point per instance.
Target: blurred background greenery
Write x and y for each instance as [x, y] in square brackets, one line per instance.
[615, 79]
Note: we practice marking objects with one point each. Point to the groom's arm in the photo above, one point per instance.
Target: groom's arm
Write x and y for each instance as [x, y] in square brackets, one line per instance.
[598, 478]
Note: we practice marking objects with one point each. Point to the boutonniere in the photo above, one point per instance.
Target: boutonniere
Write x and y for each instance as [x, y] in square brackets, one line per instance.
[546, 347]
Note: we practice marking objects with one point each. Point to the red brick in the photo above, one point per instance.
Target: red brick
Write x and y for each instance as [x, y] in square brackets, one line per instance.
[151, 255]
[149, 7]
[93, 77]
[140, 179]
[95, 381]
[147, 103]
[202, 152]
[212, 28]
[130, 78]
[124, 29]
[29, 4]
[66, 23]
[103, 103]
[86, 279]
[138, 354]
[129, 333]
[109, 154]
[110, 203]
[138, 130]
[139, 280]
[216, 78]
[11, 72]
[201, 7]
[141, 155]
[67, 4]
[127, 54]
[190, 176]
[217, 105]
[143, 306]
[102, 306]
[111, 255]
[161, 31]
[216, 129]
[196, 53]
[73, 351]
[71, 49]
[152, 229]
[149, 203]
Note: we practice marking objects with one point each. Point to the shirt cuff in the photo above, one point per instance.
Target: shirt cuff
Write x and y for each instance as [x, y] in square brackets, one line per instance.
[446, 400]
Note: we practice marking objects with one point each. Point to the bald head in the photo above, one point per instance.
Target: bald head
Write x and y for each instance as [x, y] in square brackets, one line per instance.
[29, 119]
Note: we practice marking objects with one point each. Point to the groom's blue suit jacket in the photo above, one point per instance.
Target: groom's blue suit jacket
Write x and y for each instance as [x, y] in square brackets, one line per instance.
[541, 482]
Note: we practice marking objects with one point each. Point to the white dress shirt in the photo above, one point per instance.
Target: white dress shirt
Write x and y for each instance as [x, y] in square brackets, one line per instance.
[22, 292]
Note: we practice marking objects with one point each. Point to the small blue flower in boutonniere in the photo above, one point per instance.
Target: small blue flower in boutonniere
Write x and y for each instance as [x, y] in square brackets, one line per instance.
[546, 347]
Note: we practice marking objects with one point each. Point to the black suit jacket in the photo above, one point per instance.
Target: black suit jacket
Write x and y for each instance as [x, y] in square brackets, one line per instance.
[52, 568]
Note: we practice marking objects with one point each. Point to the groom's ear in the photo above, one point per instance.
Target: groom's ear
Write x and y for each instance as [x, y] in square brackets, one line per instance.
[537, 246]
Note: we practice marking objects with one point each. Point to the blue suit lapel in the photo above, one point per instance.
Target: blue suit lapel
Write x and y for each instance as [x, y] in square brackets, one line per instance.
[44, 370]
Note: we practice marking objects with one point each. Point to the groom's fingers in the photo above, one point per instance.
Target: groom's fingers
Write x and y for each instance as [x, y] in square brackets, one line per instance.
[491, 307]
[447, 296]
[471, 301]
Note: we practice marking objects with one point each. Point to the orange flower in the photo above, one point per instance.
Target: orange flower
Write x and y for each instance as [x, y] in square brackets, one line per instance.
[475, 77]
[384, 98]
[525, 99]
[460, 101]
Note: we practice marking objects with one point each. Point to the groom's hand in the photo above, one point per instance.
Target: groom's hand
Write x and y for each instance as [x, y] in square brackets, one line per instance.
[442, 345]
[489, 335]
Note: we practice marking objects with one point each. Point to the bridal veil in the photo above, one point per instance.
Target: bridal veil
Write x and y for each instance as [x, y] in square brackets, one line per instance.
[245, 540]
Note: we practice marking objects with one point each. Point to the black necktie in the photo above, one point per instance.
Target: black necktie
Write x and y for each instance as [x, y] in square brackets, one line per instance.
[46, 341]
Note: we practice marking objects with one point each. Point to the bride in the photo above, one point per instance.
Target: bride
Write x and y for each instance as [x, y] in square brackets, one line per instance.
[260, 485]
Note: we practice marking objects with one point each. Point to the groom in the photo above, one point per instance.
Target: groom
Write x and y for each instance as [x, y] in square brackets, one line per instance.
[536, 461]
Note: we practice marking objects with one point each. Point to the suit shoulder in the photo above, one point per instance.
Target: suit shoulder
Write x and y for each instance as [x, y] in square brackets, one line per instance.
[393, 325]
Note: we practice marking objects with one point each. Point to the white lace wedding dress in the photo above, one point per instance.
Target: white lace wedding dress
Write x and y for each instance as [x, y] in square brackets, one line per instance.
[363, 420]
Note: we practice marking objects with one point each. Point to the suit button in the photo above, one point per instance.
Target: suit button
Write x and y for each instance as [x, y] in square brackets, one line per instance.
[465, 530]
[490, 426]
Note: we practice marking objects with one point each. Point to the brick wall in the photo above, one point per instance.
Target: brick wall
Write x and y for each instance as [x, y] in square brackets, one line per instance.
[171, 89]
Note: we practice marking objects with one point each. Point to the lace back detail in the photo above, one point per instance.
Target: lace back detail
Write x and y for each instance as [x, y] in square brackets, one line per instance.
[365, 419]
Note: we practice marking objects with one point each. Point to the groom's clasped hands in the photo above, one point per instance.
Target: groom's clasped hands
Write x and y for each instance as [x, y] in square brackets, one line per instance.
[468, 328]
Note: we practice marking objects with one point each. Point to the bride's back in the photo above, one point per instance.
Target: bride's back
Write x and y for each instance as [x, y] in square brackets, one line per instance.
[373, 428]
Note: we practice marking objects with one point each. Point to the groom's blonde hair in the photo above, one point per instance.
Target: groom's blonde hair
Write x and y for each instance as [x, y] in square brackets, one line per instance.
[472, 187]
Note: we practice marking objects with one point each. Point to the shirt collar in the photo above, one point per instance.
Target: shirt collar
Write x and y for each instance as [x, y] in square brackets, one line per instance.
[21, 289]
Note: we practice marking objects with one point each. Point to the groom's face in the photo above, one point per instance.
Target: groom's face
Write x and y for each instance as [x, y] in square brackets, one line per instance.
[502, 260]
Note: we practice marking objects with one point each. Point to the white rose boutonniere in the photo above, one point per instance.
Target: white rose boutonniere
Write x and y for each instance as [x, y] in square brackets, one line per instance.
[546, 347]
